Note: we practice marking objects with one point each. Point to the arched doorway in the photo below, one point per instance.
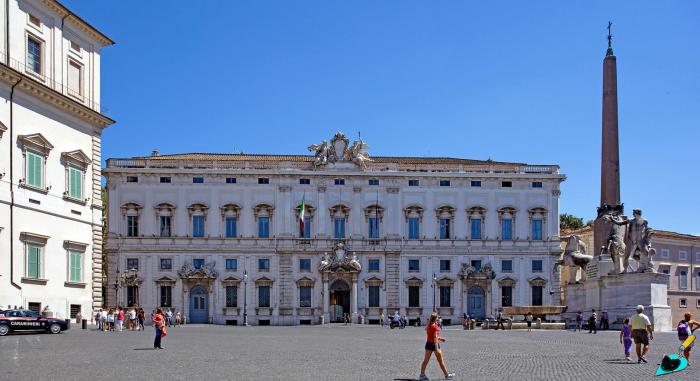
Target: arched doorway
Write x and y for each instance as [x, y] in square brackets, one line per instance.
[199, 306]
[339, 300]
[476, 298]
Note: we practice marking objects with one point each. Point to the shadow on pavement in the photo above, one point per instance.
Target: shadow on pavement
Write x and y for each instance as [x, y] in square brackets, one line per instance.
[620, 362]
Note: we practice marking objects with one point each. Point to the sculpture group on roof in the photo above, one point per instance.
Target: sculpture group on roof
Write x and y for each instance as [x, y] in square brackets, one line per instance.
[339, 151]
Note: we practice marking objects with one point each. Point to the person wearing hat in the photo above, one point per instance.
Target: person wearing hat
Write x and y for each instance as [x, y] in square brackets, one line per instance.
[642, 332]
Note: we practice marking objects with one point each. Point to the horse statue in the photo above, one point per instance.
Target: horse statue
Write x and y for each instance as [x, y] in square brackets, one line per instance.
[320, 153]
[576, 259]
[358, 155]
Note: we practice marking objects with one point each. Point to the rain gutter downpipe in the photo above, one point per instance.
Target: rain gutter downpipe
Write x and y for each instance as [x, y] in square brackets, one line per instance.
[12, 190]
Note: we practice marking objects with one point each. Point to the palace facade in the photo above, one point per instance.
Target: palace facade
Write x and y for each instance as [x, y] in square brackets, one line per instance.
[218, 236]
[51, 127]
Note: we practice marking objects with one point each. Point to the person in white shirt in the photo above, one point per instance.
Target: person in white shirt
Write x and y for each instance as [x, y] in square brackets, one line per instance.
[642, 332]
[132, 319]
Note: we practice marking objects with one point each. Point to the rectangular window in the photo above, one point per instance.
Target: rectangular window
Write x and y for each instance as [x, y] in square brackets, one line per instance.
[697, 282]
[444, 228]
[306, 233]
[263, 264]
[444, 183]
[230, 180]
[413, 182]
[305, 264]
[263, 227]
[74, 309]
[339, 181]
[231, 227]
[132, 226]
[304, 296]
[166, 296]
[373, 181]
[34, 20]
[537, 184]
[476, 264]
[35, 170]
[75, 78]
[413, 296]
[536, 265]
[263, 180]
[231, 264]
[197, 226]
[506, 228]
[373, 296]
[75, 183]
[683, 279]
[445, 294]
[664, 253]
[75, 261]
[165, 179]
[506, 296]
[198, 263]
[75, 46]
[445, 265]
[682, 255]
[198, 180]
[506, 266]
[166, 226]
[34, 55]
[476, 183]
[537, 229]
[414, 265]
[506, 184]
[166, 264]
[475, 227]
[373, 265]
[36, 307]
[132, 263]
[264, 296]
[413, 228]
[536, 295]
[132, 179]
[304, 181]
[34, 259]
[231, 296]
[683, 303]
[373, 227]
[339, 228]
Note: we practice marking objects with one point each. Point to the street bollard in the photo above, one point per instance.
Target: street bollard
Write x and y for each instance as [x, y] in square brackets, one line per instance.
[84, 323]
[538, 323]
[322, 319]
[510, 324]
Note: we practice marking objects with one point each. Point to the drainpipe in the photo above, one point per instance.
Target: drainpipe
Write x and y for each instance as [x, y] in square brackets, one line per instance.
[12, 190]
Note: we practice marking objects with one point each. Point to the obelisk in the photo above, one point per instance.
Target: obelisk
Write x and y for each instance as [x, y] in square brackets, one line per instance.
[610, 152]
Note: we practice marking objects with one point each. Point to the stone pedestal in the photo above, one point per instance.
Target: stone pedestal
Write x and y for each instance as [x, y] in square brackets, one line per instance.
[620, 294]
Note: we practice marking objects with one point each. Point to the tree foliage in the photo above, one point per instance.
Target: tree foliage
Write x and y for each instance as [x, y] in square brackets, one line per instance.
[570, 222]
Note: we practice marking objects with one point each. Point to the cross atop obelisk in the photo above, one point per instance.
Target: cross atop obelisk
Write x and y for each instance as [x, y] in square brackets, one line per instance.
[610, 155]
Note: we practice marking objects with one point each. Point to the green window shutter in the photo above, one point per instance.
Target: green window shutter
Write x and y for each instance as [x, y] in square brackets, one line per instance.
[33, 262]
[75, 183]
[75, 266]
[34, 169]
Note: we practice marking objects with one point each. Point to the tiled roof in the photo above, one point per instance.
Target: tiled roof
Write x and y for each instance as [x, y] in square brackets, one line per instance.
[310, 158]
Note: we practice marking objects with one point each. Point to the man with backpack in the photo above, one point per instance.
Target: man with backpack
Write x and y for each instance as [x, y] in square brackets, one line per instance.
[685, 329]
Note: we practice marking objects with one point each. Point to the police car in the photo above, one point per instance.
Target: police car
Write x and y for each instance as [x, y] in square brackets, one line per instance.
[27, 321]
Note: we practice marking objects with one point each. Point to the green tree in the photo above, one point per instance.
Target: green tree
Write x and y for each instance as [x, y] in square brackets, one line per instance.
[570, 222]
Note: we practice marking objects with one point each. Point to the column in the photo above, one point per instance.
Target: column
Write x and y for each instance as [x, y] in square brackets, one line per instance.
[211, 304]
[353, 299]
[326, 300]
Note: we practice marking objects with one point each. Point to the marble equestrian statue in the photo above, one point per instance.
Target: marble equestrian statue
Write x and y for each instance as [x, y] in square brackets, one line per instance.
[576, 259]
[614, 225]
[638, 242]
[320, 153]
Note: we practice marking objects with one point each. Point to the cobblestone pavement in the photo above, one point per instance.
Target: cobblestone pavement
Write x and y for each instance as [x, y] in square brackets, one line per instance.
[325, 353]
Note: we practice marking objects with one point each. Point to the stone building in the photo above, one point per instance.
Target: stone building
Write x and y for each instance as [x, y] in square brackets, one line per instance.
[677, 255]
[218, 236]
[51, 125]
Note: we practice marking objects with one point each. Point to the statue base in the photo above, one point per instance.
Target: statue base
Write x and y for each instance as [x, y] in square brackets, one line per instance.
[619, 295]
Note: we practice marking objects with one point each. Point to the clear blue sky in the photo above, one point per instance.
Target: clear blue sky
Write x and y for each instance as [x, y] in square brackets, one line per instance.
[513, 81]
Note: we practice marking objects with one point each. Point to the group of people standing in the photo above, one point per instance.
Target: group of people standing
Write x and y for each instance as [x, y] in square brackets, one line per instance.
[592, 321]
[118, 319]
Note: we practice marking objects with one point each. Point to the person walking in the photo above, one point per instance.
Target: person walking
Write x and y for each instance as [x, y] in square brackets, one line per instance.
[133, 324]
[432, 345]
[178, 318]
[381, 319]
[120, 319]
[98, 319]
[604, 321]
[592, 328]
[159, 324]
[642, 332]
[626, 338]
[499, 320]
[110, 320]
[141, 317]
[528, 319]
[579, 321]
[685, 329]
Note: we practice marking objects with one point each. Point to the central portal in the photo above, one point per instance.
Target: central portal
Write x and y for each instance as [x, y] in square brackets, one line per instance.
[339, 300]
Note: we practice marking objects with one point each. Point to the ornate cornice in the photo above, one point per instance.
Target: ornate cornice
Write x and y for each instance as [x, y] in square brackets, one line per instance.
[78, 22]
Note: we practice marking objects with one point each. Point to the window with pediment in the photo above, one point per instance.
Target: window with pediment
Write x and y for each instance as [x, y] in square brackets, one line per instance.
[263, 217]
[76, 163]
[309, 212]
[374, 215]
[130, 214]
[476, 217]
[413, 215]
[538, 221]
[35, 149]
[506, 219]
[198, 218]
[445, 217]
[339, 215]
[229, 214]
[165, 213]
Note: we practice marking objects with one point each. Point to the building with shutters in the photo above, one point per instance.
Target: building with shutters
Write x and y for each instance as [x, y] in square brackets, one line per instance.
[51, 126]
[218, 236]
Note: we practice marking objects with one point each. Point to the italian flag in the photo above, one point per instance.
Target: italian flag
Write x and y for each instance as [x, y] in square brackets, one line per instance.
[302, 212]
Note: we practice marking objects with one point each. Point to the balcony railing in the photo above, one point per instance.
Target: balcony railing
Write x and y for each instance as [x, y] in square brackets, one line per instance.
[57, 86]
